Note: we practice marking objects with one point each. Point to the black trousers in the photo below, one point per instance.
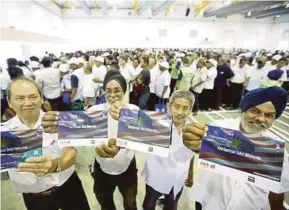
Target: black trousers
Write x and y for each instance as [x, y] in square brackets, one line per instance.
[56, 103]
[152, 196]
[69, 196]
[236, 91]
[152, 102]
[105, 184]
[198, 206]
[206, 99]
[196, 104]
[218, 97]
[173, 85]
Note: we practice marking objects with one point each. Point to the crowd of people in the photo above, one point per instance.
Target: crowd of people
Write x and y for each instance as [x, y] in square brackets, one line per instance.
[184, 81]
[74, 80]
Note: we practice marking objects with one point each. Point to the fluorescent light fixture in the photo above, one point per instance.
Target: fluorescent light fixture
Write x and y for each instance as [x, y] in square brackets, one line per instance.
[189, 1]
[249, 13]
[287, 5]
[277, 16]
[114, 9]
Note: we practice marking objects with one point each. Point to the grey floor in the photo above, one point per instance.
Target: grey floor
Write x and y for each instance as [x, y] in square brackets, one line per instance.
[12, 201]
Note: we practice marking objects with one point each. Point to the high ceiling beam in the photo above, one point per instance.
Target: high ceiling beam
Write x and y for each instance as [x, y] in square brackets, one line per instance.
[162, 7]
[85, 7]
[244, 6]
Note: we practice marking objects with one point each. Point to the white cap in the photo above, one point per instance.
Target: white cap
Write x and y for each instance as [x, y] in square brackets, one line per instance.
[73, 60]
[100, 59]
[64, 67]
[81, 60]
[34, 64]
[269, 54]
[213, 61]
[92, 58]
[164, 64]
[277, 57]
[105, 54]
[182, 55]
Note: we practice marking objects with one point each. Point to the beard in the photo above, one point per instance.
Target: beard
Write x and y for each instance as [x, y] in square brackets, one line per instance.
[251, 127]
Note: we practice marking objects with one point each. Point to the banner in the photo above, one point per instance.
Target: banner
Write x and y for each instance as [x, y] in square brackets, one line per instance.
[254, 159]
[145, 131]
[17, 146]
[77, 128]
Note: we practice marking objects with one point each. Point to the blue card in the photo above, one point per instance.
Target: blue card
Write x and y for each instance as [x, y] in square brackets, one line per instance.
[17, 146]
[78, 128]
[251, 158]
[145, 131]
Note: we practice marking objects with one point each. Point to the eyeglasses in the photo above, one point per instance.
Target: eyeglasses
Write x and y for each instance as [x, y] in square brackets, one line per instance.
[115, 91]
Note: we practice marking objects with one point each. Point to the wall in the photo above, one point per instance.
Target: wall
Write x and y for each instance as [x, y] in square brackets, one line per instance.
[145, 33]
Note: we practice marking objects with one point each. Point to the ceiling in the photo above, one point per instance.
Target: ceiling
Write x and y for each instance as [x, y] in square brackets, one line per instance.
[198, 9]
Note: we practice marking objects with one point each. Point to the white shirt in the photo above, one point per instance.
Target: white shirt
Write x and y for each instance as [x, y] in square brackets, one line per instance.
[27, 72]
[239, 74]
[66, 82]
[163, 79]
[99, 72]
[49, 148]
[49, 80]
[155, 72]
[122, 160]
[219, 192]
[88, 89]
[79, 73]
[212, 74]
[163, 174]
[255, 76]
[5, 79]
[199, 76]
[128, 72]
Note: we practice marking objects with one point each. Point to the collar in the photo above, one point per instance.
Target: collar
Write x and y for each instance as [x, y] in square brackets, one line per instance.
[16, 122]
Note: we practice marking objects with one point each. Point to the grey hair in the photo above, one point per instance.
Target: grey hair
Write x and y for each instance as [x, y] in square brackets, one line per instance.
[26, 79]
[182, 94]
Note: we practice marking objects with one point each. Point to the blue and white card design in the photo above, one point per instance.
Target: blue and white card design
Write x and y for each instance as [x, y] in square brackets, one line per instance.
[78, 128]
[250, 158]
[145, 131]
[17, 146]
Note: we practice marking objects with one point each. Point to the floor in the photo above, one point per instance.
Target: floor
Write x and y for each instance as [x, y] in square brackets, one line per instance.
[12, 201]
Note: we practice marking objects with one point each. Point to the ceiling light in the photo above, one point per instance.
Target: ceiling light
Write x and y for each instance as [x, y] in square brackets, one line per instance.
[114, 8]
[277, 16]
[249, 13]
[287, 5]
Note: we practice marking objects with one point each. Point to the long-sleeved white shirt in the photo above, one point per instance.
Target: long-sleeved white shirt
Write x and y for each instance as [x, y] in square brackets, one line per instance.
[122, 160]
[212, 74]
[163, 174]
[220, 192]
[49, 80]
[25, 182]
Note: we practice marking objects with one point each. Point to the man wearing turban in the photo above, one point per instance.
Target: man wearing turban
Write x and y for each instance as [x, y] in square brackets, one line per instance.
[113, 167]
[259, 109]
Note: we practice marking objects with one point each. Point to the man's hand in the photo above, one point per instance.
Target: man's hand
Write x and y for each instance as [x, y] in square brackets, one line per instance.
[115, 109]
[50, 122]
[39, 165]
[107, 151]
[192, 135]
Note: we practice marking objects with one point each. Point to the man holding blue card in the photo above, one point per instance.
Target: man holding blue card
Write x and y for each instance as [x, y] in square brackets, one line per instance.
[259, 109]
[113, 166]
[49, 181]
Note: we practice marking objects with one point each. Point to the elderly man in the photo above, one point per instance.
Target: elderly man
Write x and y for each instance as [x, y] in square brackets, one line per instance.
[49, 181]
[113, 167]
[259, 108]
[177, 165]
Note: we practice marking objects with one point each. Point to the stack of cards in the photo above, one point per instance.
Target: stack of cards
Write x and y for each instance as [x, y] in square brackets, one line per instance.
[145, 131]
[78, 128]
[17, 146]
[254, 159]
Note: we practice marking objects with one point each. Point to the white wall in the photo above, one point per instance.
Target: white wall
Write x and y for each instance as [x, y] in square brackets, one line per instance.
[144, 33]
